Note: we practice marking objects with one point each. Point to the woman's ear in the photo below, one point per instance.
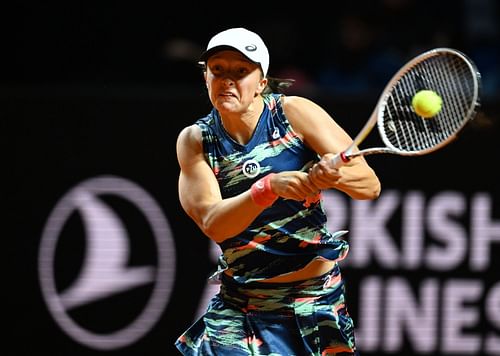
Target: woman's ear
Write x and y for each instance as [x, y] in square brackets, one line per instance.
[262, 85]
[205, 78]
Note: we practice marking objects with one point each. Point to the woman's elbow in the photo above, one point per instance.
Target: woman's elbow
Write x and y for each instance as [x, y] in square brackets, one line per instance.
[214, 231]
[205, 225]
[367, 191]
[374, 192]
[371, 191]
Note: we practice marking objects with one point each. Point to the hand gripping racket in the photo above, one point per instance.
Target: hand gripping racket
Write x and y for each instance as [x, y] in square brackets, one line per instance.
[449, 73]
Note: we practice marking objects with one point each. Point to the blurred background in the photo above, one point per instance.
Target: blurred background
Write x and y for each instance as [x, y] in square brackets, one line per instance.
[102, 260]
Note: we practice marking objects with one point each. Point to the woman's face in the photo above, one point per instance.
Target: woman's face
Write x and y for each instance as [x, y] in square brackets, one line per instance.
[233, 81]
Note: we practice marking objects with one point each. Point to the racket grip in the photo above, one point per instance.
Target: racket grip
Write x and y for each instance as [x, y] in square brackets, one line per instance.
[339, 160]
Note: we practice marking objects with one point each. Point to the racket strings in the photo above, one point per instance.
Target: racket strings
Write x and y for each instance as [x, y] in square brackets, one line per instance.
[449, 75]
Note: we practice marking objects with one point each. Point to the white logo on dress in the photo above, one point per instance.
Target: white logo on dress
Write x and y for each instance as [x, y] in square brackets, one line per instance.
[251, 168]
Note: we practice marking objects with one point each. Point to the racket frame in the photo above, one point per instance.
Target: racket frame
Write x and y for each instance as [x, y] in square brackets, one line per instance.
[377, 115]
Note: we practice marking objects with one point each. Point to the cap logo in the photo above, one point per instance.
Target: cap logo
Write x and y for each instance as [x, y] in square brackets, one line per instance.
[251, 48]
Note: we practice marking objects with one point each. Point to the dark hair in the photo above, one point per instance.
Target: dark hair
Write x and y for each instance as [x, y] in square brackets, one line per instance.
[277, 85]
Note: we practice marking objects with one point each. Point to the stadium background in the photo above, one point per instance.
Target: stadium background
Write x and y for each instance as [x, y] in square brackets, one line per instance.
[93, 95]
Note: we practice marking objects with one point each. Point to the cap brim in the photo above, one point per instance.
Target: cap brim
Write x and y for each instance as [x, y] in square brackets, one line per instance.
[207, 54]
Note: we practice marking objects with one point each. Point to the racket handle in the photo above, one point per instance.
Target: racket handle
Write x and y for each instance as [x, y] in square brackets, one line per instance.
[339, 160]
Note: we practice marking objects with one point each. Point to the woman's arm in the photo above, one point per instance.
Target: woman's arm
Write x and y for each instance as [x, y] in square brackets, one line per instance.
[322, 134]
[201, 198]
[200, 195]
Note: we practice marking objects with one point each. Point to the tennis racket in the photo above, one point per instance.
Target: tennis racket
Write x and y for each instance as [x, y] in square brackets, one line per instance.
[448, 72]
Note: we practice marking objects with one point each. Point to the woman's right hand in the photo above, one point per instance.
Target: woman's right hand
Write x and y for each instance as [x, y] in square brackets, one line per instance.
[294, 185]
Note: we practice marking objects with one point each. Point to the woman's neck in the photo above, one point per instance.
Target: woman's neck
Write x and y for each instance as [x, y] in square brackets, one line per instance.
[241, 126]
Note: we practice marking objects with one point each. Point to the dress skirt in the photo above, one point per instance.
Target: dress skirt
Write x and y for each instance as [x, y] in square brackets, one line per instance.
[280, 319]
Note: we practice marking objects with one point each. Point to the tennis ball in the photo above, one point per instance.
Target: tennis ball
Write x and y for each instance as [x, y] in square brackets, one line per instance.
[427, 103]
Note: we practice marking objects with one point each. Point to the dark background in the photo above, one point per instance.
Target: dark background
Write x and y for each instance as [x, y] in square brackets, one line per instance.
[103, 88]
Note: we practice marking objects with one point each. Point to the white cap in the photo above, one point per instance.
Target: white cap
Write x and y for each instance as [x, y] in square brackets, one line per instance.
[247, 42]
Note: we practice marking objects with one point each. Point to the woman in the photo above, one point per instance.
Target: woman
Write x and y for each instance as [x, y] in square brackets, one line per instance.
[251, 173]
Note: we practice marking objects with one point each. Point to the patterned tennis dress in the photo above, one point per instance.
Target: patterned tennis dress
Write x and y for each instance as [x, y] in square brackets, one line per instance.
[247, 316]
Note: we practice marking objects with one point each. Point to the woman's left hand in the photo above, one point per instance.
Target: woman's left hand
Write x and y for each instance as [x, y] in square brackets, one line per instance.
[323, 175]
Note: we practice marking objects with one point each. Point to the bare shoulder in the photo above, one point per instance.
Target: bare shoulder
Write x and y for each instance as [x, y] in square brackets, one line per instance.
[189, 135]
[298, 106]
[296, 103]
[314, 125]
[189, 144]
[304, 114]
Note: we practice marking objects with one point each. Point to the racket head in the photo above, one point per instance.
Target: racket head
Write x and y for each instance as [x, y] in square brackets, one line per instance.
[448, 72]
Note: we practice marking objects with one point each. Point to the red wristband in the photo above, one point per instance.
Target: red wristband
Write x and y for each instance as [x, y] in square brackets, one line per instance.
[262, 193]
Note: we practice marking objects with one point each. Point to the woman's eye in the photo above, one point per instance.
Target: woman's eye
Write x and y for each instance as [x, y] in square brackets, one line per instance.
[236, 72]
[241, 72]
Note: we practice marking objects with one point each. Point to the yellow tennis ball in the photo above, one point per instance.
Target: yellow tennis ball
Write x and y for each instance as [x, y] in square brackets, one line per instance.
[427, 103]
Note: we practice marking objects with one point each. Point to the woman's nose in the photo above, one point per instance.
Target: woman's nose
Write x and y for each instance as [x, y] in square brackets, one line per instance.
[227, 80]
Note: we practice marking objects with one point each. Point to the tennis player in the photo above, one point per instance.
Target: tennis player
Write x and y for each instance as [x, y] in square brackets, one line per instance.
[251, 176]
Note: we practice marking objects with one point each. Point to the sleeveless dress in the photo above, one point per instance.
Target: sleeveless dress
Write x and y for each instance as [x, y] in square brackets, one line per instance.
[248, 317]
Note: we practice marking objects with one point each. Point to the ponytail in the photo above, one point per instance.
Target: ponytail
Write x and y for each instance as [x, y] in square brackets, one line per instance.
[277, 85]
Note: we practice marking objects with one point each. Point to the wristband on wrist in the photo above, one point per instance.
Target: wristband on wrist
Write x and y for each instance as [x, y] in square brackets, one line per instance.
[262, 193]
